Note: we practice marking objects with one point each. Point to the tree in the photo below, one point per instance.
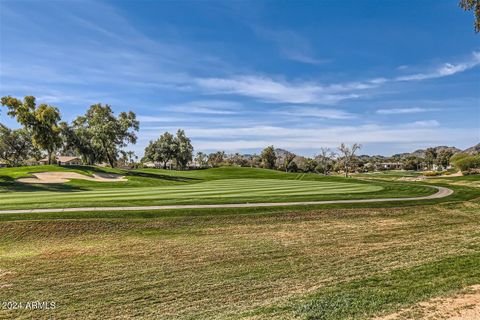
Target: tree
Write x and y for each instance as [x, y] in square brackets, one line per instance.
[469, 5]
[309, 165]
[78, 138]
[288, 159]
[348, 155]
[184, 149]
[430, 156]
[15, 145]
[201, 159]
[466, 163]
[237, 159]
[325, 158]
[41, 122]
[109, 133]
[412, 163]
[443, 158]
[131, 156]
[292, 167]
[255, 161]
[162, 150]
[216, 158]
[268, 157]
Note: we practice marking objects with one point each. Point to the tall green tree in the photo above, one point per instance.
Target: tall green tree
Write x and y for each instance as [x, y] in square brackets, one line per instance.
[184, 150]
[107, 132]
[443, 158]
[78, 138]
[472, 5]
[430, 157]
[161, 150]
[309, 165]
[15, 145]
[268, 157]
[40, 121]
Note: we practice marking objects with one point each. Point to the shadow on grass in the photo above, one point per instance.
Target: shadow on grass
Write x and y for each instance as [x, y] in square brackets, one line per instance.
[129, 173]
[8, 184]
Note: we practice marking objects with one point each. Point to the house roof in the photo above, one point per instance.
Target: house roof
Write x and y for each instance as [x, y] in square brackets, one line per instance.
[63, 158]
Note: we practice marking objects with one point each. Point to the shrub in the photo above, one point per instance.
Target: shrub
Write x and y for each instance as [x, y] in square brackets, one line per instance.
[432, 173]
[467, 163]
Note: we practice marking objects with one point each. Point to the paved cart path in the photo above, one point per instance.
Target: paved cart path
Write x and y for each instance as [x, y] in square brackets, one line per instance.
[441, 193]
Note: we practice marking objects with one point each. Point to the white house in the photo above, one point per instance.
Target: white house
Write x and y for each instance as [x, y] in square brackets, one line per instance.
[63, 161]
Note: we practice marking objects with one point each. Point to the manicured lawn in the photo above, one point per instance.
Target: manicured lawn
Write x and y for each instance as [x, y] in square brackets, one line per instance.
[280, 264]
[218, 185]
[342, 261]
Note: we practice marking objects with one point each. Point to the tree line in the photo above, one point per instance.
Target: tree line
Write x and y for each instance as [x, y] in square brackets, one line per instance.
[98, 136]
[270, 158]
[169, 148]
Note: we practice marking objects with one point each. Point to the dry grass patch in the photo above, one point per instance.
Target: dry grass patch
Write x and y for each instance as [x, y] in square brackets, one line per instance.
[218, 267]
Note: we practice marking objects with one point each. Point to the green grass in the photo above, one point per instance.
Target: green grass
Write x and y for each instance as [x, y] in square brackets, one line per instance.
[393, 290]
[288, 263]
[339, 261]
[210, 186]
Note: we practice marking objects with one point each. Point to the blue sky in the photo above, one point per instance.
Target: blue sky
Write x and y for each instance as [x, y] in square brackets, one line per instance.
[239, 75]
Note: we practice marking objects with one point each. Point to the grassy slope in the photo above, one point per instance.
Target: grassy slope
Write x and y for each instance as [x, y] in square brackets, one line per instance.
[155, 187]
[286, 263]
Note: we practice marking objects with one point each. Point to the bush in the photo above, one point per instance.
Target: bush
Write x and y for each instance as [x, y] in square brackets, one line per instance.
[432, 173]
[467, 163]
[472, 171]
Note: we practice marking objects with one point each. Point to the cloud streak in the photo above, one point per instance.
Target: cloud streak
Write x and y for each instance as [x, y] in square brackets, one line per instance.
[405, 110]
[312, 112]
[256, 137]
[447, 69]
[267, 89]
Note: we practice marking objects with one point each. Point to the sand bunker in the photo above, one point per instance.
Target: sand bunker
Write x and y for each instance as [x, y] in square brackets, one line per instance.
[464, 306]
[62, 177]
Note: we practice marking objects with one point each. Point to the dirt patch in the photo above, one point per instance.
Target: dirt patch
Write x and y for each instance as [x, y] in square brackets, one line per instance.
[62, 177]
[464, 306]
[418, 178]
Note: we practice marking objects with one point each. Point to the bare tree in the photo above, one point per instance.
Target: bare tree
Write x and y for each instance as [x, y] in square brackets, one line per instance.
[348, 154]
[288, 160]
[325, 155]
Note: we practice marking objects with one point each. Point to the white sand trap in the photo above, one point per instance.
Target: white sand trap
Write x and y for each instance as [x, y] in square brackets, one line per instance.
[62, 177]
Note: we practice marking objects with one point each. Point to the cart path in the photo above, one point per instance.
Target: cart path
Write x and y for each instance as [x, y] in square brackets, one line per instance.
[441, 193]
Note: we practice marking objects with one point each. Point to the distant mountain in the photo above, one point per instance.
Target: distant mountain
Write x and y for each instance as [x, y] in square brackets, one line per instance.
[473, 150]
[421, 152]
[280, 153]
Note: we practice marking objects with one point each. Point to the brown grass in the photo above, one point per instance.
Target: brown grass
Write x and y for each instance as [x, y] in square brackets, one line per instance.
[217, 267]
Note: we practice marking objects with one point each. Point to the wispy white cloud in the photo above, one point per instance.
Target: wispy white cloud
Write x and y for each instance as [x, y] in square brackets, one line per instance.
[315, 112]
[270, 90]
[212, 107]
[444, 70]
[256, 137]
[291, 45]
[424, 123]
[405, 110]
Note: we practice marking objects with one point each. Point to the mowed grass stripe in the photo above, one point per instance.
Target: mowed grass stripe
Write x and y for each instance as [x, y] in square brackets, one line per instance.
[252, 192]
[242, 183]
[230, 188]
[271, 184]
